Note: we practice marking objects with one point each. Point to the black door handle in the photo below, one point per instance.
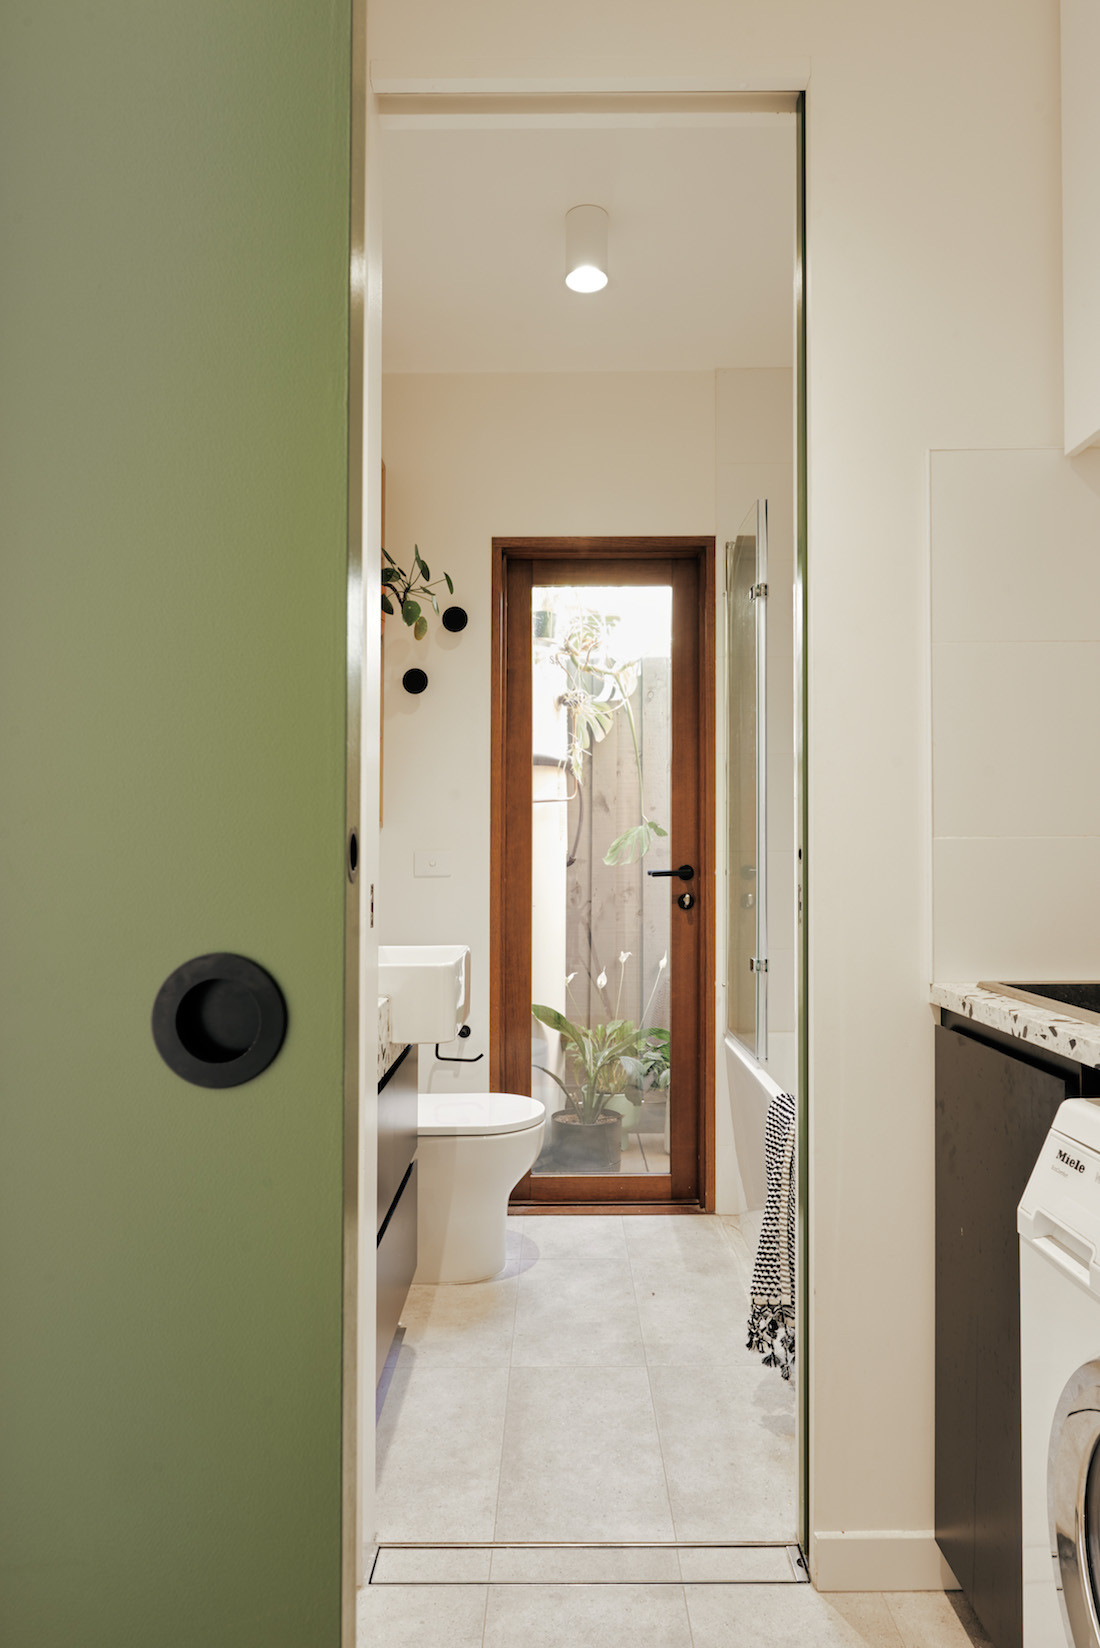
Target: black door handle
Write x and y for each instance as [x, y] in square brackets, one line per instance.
[685, 872]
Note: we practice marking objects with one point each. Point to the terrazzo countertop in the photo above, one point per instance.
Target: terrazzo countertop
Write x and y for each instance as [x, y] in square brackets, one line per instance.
[388, 1051]
[1077, 1039]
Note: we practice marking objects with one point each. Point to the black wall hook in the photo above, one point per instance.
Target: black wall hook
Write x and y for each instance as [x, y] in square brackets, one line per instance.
[414, 680]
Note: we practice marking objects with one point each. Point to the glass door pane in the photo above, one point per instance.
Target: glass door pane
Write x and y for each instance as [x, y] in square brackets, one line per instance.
[601, 804]
[746, 651]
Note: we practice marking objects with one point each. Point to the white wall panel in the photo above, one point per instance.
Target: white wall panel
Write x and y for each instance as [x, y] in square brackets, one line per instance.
[1015, 684]
[1081, 220]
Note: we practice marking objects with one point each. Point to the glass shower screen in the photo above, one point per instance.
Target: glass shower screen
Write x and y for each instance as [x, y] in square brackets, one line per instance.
[746, 653]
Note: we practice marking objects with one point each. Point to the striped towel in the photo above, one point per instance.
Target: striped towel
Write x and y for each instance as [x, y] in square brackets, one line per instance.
[771, 1322]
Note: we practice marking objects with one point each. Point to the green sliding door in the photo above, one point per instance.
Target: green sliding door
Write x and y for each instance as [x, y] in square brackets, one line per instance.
[173, 565]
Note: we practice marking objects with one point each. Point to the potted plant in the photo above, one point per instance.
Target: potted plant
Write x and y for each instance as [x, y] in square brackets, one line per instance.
[601, 1061]
[400, 589]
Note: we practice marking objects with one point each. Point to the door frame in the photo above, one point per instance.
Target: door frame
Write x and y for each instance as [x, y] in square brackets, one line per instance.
[701, 551]
[439, 103]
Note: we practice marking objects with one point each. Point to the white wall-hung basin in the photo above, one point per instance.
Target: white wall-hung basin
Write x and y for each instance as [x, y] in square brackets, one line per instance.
[429, 989]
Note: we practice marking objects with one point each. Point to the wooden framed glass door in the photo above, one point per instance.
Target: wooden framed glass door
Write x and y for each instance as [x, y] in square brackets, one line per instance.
[602, 919]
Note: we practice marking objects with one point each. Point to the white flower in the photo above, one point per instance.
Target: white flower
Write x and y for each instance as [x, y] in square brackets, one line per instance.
[601, 981]
[569, 977]
[624, 957]
[663, 962]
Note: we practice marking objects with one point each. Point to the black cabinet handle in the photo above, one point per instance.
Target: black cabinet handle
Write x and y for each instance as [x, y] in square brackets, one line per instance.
[685, 872]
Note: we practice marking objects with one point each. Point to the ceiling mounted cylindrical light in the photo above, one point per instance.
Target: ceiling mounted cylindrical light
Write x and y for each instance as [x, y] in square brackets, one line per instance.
[586, 249]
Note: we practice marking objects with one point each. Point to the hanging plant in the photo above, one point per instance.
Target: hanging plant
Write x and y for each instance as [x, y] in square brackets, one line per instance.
[400, 589]
[586, 642]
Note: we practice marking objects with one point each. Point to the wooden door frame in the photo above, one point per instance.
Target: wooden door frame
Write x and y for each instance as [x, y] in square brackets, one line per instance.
[503, 831]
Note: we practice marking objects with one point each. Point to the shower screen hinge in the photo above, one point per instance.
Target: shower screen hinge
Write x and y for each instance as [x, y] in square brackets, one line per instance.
[758, 964]
[758, 592]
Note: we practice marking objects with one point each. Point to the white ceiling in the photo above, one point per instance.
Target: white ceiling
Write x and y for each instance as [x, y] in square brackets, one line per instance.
[701, 247]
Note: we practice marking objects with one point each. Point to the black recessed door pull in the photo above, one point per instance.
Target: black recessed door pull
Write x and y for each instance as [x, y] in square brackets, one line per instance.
[685, 872]
[219, 1020]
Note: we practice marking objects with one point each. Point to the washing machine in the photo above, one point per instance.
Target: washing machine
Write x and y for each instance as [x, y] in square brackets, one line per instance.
[1059, 1227]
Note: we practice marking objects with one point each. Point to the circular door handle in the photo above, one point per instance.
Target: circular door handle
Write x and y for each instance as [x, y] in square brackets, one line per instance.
[219, 1020]
[686, 900]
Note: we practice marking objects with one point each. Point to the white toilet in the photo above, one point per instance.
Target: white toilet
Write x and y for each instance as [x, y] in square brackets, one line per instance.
[473, 1148]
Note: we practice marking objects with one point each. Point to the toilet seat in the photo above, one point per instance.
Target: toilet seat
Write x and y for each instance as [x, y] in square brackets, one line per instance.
[476, 1115]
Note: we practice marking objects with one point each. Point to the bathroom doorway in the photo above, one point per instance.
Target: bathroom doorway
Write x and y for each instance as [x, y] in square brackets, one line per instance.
[602, 926]
[508, 409]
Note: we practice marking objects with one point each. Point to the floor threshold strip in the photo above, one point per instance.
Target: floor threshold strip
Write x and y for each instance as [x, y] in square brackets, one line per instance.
[621, 1563]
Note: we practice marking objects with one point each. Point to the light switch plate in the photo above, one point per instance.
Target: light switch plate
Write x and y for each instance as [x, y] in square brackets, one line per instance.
[431, 863]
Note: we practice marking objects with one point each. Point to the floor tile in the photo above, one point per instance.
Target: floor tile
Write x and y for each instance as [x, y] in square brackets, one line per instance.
[692, 1318]
[577, 1315]
[695, 1244]
[435, 1565]
[421, 1616]
[736, 1565]
[439, 1451]
[568, 1565]
[460, 1326]
[581, 1458]
[728, 1444]
[580, 1236]
[520, 1253]
[785, 1616]
[932, 1619]
[582, 1616]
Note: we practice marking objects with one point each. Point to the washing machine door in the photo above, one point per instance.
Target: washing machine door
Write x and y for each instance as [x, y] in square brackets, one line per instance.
[1073, 1500]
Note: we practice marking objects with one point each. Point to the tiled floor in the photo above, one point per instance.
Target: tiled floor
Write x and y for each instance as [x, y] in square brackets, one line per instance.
[659, 1616]
[598, 1390]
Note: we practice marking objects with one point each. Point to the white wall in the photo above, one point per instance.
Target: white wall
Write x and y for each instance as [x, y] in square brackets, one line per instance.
[470, 457]
[1016, 689]
[935, 321]
[1081, 221]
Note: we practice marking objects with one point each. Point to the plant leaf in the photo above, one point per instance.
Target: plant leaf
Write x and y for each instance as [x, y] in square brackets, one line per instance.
[633, 844]
[425, 570]
[391, 575]
[387, 604]
[410, 611]
[450, 585]
[554, 1078]
[420, 629]
[389, 557]
[558, 1021]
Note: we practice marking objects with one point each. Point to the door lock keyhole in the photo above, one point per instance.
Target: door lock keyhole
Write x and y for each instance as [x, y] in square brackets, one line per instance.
[686, 900]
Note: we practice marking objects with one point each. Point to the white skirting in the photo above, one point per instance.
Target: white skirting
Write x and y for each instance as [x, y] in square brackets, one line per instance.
[889, 1559]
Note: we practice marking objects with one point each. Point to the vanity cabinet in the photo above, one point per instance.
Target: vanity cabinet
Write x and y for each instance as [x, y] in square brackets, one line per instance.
[996, 1099]
[396, 1198]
